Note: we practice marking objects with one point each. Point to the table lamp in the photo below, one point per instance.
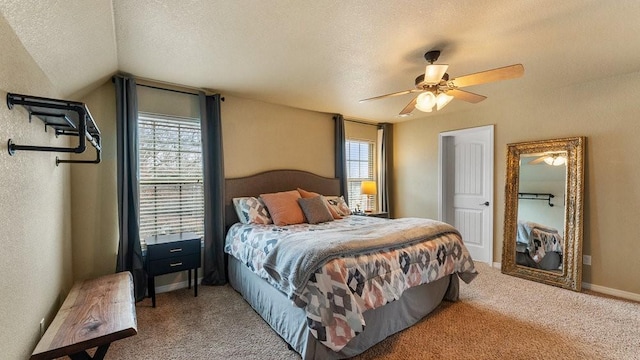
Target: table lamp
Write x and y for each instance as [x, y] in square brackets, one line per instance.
[368, 188]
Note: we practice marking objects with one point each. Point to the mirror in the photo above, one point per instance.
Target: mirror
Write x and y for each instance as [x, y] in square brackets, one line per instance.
[543, 211]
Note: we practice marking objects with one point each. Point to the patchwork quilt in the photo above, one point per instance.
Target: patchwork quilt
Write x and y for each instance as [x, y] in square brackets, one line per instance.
[374, 262]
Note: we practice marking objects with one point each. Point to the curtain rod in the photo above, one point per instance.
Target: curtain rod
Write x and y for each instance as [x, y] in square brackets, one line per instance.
[161, 85]
[361, 122]
[165, 89]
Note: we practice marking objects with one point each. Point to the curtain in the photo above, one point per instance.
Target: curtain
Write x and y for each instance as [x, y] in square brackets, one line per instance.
[213, 169]
[341, 160]
[384, 161]
[129, 249]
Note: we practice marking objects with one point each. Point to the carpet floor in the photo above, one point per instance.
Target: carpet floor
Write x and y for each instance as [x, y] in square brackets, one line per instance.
[497, 317]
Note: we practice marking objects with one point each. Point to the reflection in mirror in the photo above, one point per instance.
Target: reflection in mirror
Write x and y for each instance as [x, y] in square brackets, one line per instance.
[541, 187]
[543, 211]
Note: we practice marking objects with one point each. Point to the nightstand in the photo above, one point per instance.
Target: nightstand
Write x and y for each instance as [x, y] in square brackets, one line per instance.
[384, 215]
[172, 253]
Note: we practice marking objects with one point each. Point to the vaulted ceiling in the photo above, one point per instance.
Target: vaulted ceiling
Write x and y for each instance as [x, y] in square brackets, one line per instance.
[326, 55]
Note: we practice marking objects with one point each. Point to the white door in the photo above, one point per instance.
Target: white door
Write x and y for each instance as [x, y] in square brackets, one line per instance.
[466, 187]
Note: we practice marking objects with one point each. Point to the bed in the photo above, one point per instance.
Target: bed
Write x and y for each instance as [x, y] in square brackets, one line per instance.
[538, 246]
[331, 319]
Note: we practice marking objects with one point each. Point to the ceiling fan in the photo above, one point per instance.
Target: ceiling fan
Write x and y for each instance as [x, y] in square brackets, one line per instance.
[437, 90]
[555, 159]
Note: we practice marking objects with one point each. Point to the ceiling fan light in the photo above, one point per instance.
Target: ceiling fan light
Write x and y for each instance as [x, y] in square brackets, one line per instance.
[555, 160]
[442, 100]
[425, 101]
[434, 73]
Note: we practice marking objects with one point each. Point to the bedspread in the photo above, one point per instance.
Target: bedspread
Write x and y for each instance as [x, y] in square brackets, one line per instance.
[539, 239]
[341, 288]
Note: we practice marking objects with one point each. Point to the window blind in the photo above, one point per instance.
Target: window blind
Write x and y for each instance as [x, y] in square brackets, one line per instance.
[360, 167]
[170, 165]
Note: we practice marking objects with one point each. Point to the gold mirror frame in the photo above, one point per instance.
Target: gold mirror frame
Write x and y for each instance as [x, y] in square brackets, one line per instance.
[571, 275]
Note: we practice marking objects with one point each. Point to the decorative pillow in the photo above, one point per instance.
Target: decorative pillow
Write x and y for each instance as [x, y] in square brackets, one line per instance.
[251, 210]
[315, 210]
[283, 207]
[309, 194]
[340, 206]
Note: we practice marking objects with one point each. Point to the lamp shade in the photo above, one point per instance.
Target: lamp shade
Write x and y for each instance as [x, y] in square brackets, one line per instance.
[442, 100]
[368, 188]
[425, 101]
[433, 73]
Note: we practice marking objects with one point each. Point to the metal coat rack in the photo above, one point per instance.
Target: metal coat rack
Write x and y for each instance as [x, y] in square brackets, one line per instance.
[536, 196]
[68, 118]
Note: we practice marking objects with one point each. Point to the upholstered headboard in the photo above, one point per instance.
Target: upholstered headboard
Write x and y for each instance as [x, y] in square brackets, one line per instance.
[274, 181]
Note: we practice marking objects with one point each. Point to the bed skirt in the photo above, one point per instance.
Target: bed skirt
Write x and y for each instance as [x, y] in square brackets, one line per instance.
[290, 322]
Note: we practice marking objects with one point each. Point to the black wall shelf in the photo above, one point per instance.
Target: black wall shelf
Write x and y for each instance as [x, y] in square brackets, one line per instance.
[68, 118]
[536, 196]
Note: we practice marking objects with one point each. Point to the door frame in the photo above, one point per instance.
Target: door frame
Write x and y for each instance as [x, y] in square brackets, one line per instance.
[445, 175]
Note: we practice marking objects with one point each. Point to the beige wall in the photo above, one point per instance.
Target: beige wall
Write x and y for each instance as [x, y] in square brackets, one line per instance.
[35, 239]
[94, 206]
[164, 102]
[360, 131]
[603, 111]
[258, 136]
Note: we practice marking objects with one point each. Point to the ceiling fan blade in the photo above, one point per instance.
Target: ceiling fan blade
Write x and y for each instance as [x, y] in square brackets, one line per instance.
[410, 106]
[466, 96]
[483, 77]
[392, 94]
[537, 160]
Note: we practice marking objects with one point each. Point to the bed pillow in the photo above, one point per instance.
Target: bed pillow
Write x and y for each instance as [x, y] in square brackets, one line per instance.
[309, 194]
[251, 210]
[315, 209]
[340, 206]
[283, 207]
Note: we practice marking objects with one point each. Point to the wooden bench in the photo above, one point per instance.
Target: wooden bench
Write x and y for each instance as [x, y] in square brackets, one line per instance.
[94, 314]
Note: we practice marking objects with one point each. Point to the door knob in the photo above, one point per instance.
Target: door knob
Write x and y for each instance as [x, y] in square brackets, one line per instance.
[486, 203]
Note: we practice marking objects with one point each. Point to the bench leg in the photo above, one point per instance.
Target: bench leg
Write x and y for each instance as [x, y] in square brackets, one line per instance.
[99, 355]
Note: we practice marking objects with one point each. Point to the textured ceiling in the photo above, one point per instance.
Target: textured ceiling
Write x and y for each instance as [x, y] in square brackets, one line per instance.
[326, 55]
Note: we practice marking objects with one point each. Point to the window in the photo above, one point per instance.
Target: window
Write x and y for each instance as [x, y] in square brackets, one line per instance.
[359, 156]
[171, 189]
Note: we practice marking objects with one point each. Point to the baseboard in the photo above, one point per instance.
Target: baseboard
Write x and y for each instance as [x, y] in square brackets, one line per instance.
[174, 286]
[613, 292]
[600, 289]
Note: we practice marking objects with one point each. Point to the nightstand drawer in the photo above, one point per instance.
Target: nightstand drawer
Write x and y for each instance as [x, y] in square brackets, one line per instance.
[174, 264]
[173, 249]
